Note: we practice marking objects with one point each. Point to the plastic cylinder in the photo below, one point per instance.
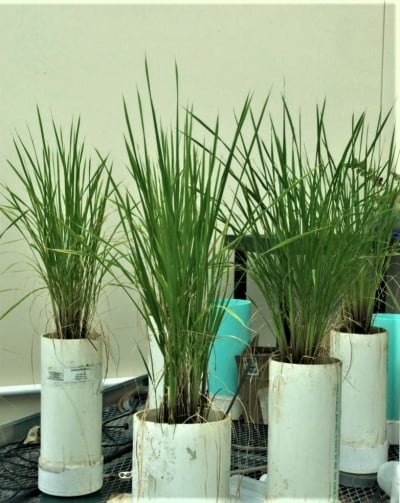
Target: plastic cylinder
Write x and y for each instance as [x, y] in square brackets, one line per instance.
[71, 460]
[363, 442]
[303, 431]
[391, 323]
[232, 338]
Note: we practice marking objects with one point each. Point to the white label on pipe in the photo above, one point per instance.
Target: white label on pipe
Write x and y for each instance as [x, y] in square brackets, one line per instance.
[55, 375]
[74, 374]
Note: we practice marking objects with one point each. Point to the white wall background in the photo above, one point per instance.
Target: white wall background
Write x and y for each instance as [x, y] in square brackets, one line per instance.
[81, 59]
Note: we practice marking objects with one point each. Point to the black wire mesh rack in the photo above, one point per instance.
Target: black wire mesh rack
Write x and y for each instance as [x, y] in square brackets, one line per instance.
[249, 456]
[18, 462]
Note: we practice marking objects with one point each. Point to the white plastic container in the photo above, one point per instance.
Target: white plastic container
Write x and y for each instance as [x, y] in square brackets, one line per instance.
[181, 462]
[71, 461]
[224, 402]
[247, 490]
[155, 364]
[389, 480]
[263, 400]
[303, 431]
[363, 440]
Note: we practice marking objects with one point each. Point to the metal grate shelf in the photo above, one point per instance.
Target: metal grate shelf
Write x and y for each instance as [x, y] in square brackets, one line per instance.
[249, 454]
[18, 473]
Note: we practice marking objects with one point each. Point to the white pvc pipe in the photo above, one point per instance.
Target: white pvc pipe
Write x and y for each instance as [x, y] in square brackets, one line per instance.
[23, 389]
[388, 479]
[31, 389]
[224, 403]
[71, 461]
[181, 462]
[363, 440]
[303, 432]
[155, 364]
[263, 394]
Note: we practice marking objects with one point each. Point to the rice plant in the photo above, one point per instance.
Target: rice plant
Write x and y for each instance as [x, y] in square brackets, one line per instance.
[174, 252]
[316, 204]
[59, 207]
[369, 199]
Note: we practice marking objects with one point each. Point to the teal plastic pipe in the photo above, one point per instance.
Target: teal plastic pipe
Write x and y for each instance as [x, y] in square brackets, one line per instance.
[391, 323]
[232, 338]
